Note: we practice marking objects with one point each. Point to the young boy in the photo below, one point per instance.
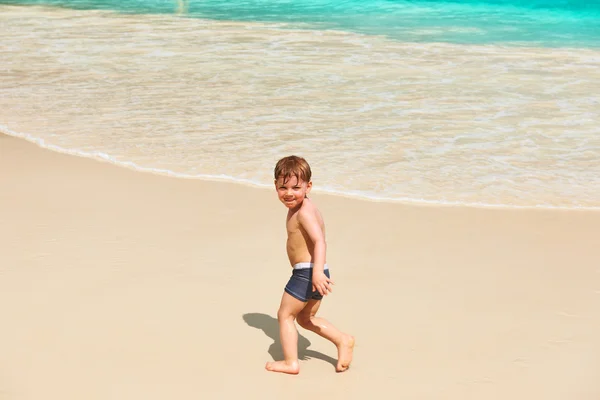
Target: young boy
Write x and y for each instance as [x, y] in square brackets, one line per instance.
[310, 279]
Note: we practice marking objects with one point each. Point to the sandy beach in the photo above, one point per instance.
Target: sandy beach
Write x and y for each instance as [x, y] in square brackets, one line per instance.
[117, 284]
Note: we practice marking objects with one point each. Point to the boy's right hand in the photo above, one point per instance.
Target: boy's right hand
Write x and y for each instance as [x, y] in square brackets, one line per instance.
[321, 283]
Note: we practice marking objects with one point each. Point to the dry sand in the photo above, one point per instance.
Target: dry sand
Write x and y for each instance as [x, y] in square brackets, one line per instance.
[116, 284]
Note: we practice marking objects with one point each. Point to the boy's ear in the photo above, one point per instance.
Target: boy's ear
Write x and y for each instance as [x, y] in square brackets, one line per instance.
[308, 187]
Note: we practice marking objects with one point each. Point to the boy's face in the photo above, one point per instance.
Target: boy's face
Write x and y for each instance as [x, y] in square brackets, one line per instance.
[292, 192]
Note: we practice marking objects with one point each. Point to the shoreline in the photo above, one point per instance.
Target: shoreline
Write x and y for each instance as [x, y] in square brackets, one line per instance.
[238, 181]
[120, 284]
[460, 132]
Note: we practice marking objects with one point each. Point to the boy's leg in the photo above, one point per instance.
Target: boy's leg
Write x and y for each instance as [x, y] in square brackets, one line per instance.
[345, 343]
[288, 310]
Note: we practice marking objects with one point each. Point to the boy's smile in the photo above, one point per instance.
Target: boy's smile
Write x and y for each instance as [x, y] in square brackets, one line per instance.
[292, 192]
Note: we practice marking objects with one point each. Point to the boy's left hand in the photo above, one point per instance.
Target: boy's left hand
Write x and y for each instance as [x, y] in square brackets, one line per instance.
[321, 283]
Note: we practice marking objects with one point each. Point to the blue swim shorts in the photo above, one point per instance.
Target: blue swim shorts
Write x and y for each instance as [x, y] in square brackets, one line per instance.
[300, 283]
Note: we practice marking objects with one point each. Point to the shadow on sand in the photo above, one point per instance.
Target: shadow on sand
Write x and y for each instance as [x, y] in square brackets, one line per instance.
[270, 327]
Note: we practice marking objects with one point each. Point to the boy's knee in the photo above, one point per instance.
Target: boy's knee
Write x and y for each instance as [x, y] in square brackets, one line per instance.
[304, 320]
[283, 315]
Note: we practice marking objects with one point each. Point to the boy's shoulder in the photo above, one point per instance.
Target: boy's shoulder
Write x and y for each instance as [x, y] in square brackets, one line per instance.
[308, 206]
[309, 209]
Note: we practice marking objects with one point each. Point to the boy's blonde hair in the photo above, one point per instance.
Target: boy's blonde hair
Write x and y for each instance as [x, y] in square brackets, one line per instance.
[293, 166]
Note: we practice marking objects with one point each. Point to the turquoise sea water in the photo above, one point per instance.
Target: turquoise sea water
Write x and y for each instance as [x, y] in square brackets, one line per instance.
[484, 103]
[572, 23]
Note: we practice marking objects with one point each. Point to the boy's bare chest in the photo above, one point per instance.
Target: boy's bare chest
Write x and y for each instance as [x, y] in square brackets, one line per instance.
[294, 229]
[296, 236]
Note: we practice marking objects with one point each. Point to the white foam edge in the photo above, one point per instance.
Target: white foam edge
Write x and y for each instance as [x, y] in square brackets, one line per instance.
[100, 156]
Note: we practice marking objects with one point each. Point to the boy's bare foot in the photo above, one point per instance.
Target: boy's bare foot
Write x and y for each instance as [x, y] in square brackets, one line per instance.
[283, 366]
[345, 350]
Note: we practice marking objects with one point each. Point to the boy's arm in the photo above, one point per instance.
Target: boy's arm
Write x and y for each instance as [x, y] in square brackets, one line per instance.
[311, 225]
